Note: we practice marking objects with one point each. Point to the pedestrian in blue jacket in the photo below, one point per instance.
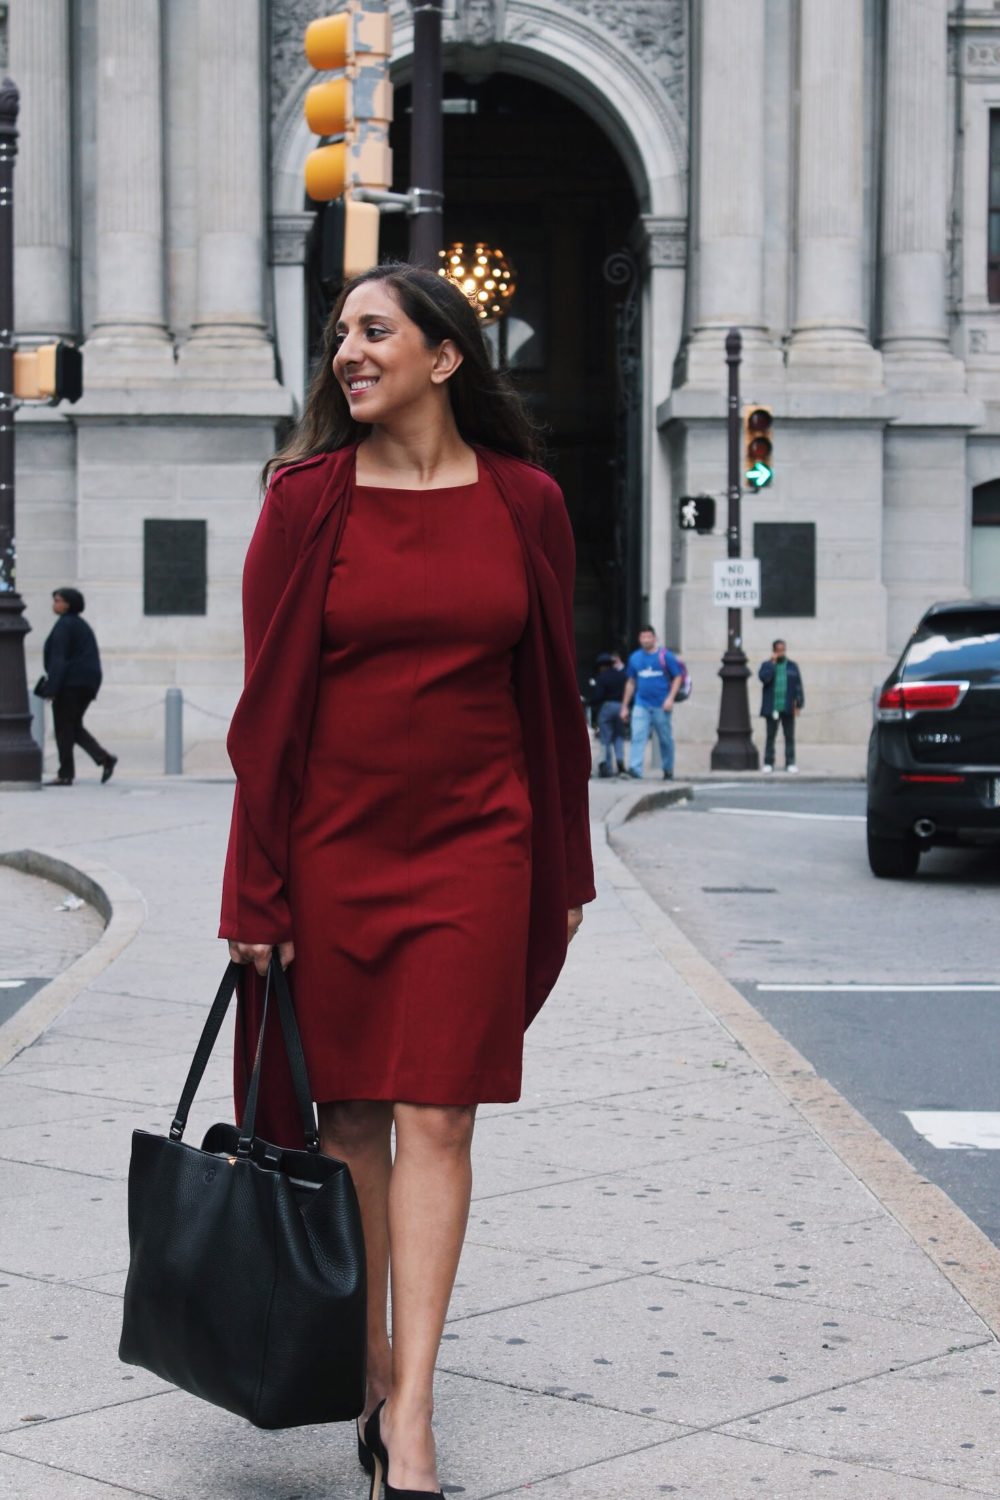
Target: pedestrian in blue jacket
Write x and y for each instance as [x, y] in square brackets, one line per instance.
[72, 678]
[654, 678]
[780, 703]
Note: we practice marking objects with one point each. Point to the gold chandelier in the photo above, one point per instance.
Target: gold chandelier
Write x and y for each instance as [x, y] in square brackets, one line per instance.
[482, 274]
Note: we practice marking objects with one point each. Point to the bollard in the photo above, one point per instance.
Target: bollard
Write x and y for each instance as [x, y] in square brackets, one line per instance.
[38, 722]
[173, 740]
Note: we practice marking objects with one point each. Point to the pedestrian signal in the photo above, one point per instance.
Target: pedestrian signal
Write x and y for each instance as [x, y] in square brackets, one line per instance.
[758, 447]
[696, 513]
[52, 373]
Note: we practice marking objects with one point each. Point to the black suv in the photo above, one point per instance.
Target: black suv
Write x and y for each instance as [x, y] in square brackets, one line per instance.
[934, 754]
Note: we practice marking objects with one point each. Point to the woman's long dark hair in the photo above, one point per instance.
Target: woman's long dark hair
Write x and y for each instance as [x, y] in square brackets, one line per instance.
[488, 410]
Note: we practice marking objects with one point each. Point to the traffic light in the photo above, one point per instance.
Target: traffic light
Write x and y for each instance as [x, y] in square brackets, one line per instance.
[52, 373]
[758, 447]
[352, 113]
[696, 513]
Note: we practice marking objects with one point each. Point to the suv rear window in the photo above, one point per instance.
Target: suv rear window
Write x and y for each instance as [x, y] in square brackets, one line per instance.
[959, 645]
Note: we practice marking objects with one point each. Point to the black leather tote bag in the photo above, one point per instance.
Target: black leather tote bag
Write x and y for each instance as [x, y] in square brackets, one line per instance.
[246, 1282]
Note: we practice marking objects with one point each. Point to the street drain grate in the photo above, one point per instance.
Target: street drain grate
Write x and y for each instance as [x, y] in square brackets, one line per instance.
[740, 890]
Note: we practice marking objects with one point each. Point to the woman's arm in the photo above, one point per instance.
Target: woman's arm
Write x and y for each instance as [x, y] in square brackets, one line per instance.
[255, 907]
[57, 655]
[557, 541]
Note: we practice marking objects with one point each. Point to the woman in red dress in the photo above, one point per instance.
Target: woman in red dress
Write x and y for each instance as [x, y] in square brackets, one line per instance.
[410, 823]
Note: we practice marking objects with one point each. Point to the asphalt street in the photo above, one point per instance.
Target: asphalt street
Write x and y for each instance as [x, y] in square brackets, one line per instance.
[891, 989]
[47, 921]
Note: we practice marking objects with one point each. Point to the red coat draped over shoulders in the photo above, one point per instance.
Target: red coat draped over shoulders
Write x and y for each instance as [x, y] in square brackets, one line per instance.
[285, 580]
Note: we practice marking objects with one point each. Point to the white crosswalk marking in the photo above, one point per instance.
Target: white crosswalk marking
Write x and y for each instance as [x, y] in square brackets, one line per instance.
[11, 984]
[971, 988]
[957, 1129]
[777, 812]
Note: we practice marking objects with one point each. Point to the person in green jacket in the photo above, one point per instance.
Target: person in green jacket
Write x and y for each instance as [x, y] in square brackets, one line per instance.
[781, 703]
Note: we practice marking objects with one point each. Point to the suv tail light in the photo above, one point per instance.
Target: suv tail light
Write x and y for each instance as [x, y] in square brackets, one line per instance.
[908, 698]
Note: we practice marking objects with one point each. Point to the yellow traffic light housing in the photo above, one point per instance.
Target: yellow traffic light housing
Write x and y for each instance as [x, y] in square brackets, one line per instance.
[758, 447]
[355, 110]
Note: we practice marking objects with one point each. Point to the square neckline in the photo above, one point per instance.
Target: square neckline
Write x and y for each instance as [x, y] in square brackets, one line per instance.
[434, 489]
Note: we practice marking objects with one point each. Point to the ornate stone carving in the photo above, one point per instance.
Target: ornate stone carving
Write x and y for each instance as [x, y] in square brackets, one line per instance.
[660, 242]
[982, 57]
[288, 238]
[479, 23]
[289, 19]
[654, 30]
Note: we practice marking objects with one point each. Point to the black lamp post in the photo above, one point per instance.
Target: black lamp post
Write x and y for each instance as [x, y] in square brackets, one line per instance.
[734, 750]
[20, 757]
[427, 141]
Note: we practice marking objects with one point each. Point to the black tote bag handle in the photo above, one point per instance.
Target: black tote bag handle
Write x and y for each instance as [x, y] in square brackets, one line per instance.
[293, 1048]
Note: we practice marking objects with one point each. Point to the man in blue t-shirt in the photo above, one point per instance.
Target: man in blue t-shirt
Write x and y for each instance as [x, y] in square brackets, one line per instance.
[653, 680]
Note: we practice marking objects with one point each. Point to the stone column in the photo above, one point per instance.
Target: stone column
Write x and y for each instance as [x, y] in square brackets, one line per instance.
[915, 190]
[129, 336]
[661, 246]
[829, 338]
[728, 270]
[43, 218]
[288, 260]
[229, 314]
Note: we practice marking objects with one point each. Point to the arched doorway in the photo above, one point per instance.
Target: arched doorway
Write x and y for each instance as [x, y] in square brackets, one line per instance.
[529, 171]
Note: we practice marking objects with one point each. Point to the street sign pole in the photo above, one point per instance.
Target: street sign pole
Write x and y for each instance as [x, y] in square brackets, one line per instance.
[427, 142]
[734, 750]
[20, 757]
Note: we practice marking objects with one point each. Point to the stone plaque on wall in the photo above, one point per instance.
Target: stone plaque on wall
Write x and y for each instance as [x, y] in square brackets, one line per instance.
[175, 567]
[787, 553]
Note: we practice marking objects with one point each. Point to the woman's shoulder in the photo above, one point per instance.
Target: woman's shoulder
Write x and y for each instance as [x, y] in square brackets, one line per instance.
[295, 489]
[302, 475]
[531, 484]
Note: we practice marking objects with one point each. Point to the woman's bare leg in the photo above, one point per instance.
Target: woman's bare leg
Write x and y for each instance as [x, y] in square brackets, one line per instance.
[360, 1133]
[429, 1194]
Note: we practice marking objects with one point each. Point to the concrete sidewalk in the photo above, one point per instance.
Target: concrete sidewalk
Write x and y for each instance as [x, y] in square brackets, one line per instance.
[672, 1283]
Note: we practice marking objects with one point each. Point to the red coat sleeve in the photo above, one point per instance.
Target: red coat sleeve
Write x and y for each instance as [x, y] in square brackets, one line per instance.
[575, 763]
[254, 904]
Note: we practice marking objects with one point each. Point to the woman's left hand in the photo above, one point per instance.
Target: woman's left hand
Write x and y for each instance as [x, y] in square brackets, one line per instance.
[574, 922]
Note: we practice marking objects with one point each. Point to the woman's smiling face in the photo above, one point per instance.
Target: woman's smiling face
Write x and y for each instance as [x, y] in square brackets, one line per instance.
[381, 360]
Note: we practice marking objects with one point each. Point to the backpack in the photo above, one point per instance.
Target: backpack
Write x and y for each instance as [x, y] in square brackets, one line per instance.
[684, 691]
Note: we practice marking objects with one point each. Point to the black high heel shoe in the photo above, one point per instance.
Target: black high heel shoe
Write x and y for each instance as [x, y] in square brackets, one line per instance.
[377, 1449]
[364, 1452]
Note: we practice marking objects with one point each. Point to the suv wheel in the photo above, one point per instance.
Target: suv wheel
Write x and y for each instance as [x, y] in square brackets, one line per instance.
[893, 859]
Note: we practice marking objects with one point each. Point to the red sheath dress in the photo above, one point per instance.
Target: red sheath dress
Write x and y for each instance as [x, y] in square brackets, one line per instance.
[409, 860]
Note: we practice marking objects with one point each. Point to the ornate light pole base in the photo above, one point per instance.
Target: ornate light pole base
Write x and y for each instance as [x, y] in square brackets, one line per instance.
[20, 757]
[734, 750]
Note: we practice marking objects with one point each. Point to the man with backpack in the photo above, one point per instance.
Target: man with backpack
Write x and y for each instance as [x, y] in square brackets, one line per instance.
[655, 679]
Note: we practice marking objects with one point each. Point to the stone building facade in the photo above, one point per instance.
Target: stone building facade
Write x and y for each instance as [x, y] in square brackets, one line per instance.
[815, 172]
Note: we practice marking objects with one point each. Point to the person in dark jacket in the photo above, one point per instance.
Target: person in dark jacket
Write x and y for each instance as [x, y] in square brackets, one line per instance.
[781, 702]
[605, 701]
[72, 678]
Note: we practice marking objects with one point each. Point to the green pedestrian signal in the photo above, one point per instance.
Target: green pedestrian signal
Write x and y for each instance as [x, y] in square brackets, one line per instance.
[758, 466]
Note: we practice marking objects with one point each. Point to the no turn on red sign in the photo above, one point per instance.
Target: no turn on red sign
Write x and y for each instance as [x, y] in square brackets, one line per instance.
[736, 583]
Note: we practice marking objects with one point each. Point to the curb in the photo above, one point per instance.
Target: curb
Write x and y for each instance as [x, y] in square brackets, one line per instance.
[958, 1247]
[124, 911]
[635, 801]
